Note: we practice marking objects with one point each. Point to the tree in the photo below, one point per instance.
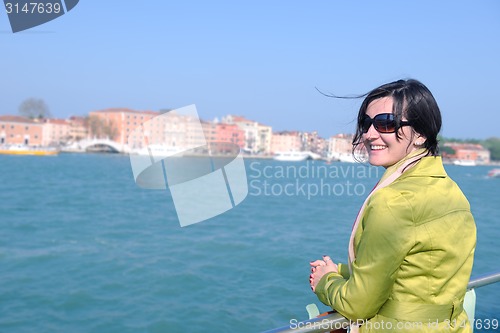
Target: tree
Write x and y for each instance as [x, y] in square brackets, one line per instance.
[34, 108]
[493, 145]
[100, 128]
[447, 150]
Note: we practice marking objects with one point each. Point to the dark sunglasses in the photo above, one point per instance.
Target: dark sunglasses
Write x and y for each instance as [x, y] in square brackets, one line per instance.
[383, 123]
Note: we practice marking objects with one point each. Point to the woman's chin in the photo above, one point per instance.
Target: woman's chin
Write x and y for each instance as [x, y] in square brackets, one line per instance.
[375, 160]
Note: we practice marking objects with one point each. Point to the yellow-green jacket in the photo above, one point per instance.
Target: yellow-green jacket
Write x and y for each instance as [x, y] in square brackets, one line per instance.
[414, 252]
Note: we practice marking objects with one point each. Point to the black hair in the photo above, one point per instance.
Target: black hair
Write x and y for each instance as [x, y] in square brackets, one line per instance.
[412, 99]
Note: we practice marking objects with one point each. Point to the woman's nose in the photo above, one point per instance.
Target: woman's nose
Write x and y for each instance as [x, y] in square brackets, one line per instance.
[371, 133]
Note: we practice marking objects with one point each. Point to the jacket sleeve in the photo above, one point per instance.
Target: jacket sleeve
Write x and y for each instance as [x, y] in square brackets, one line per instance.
[344, 270]
[387, 236]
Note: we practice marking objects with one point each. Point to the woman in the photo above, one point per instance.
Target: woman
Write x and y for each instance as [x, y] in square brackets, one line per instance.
[412, 245]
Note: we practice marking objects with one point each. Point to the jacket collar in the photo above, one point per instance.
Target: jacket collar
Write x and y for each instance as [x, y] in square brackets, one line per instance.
[429, 166]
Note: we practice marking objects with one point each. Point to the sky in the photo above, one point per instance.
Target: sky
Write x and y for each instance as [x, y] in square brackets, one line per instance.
[265, 60]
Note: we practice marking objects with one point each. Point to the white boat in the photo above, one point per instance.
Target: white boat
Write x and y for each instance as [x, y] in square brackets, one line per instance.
[465, 162]
[292, 156]
[348, 157]
[314, 156]
[494, 173]
[156, 150]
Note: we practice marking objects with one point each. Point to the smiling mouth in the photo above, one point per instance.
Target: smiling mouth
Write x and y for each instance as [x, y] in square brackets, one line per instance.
[377, 147]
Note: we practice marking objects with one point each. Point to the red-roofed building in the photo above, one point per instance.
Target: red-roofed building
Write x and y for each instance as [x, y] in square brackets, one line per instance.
[55, 132]
[78, 128]
[257, 136]
[467, 152]
[230, 133]
[217, 133]
[20, 130]
[340, 144]
[285, 142]
[118, 123]
[136, 129]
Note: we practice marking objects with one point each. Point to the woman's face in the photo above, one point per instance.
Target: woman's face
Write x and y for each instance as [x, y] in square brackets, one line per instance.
[384, 149]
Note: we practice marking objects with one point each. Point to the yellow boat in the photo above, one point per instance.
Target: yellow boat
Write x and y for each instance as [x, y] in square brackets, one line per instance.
[27, 150]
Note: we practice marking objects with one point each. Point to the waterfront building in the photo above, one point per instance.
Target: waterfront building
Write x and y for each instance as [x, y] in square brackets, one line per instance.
[286, 141]
[194, 135]
[78, 128]
[138, 129]
[20, 130]
[117, 124]
[467, 152]
[56, 132]
[311, 141]
[177, 131]
[257, 136]
[217, 134]
[249, 128]
[321, 146]
[229, 133]
[264, 138]
[209, 130]
[340, 147]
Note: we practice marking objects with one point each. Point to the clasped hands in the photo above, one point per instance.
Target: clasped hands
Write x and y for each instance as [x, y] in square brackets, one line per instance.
[319, 268]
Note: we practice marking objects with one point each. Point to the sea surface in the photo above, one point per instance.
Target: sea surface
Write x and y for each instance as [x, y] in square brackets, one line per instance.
[84, 249]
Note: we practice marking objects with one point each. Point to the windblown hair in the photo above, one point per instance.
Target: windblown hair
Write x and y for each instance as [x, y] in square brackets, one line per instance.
[413, 100]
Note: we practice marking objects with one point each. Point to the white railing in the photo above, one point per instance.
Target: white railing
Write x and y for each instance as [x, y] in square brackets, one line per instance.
[337, 321]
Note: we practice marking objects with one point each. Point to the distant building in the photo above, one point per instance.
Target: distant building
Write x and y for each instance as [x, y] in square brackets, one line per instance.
[56, 132]
[117, 124]
[220, 136]
[20, 130]
[340, 146]
[230, 133]
[467, 152]
[321, 146]
[264, 139]
[311, 141]
[210, 131]
[175, 130]
[169, 129]
[285, 141]
[257, 136]
[78, 128]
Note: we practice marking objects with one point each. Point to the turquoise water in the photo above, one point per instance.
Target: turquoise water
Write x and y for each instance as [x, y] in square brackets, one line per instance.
[83, 249]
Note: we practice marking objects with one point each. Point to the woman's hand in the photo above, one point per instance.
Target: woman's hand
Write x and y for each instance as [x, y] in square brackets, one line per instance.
[320, 268]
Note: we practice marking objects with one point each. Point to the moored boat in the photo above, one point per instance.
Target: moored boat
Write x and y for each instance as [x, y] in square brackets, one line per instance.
[349, 157]
[465, 162]
[27, 150]
[159, 151]
[494, 173]
[292, 156]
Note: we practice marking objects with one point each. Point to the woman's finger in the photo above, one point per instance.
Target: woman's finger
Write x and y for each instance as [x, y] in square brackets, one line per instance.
[327, 259]
[317, 263]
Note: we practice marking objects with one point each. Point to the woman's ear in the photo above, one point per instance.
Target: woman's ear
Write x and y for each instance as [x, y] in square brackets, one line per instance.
[419, 140]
